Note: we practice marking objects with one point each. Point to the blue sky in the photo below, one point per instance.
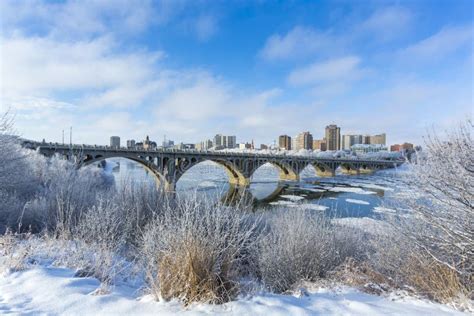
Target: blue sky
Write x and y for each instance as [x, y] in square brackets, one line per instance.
[255, 69]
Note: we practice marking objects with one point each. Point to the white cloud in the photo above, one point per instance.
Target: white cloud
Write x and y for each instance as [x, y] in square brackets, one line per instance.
[446, 41]
[346, 68]
[205, 99]
[298, 42]
[43, 66]
[387, 22]
[79, 18]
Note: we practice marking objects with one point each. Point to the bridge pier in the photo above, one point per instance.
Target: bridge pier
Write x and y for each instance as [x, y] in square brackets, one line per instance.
[289, 176]
[366, 171]
[325, 173]
[349, 171]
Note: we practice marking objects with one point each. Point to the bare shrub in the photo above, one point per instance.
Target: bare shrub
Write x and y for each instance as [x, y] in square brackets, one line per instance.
[303, 246]
[363, 276]
[432, 279]
[193, 250]
[445, 178]
[139, 203]
[14, 251]
[432, 249]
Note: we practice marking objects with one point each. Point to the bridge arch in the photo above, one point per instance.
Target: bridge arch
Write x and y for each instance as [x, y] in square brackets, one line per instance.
[349, 168]
[159, 178]
[235, 174]
[323, 169]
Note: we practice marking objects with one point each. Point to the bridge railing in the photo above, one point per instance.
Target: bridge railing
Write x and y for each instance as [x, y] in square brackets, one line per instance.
[84, 147]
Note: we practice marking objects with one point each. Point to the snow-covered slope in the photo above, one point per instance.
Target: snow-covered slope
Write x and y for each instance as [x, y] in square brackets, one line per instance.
[54, 291]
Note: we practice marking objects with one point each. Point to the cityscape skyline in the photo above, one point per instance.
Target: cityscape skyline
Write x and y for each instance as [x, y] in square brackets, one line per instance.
[333, 141]
[250, 69]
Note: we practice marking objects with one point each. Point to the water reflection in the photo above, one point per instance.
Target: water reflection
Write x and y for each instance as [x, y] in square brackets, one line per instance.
[339, 196]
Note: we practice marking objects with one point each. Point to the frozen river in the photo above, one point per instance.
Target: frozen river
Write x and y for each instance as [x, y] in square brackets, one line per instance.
[340, 196]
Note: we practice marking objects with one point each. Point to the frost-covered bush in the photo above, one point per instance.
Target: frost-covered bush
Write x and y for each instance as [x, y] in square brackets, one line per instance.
[15, 171]
[431, 245]
[42, 193]
[442, 202]
[303, 246]
[194, 249]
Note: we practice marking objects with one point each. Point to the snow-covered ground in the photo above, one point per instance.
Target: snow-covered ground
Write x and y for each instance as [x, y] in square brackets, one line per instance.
[55, 291]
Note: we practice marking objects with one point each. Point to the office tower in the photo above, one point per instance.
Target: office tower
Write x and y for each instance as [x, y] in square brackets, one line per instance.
[333, 137]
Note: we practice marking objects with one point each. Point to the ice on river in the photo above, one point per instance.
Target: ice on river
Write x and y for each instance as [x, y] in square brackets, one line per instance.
[354, 201]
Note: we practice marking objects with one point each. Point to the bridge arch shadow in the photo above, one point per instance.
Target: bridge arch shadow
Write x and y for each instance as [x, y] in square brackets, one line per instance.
[266, 182]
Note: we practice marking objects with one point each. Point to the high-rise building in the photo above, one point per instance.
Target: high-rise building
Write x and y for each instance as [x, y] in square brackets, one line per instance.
[366, 139]
[131, 143]
[263, 147]
[319, 144]
[284, 142]
[167, 143]
[114, 141]
[231, 141]
[349, 140]
[304, 140]
[378, 139]
[204, 145]
[221, 141]
[333, 137]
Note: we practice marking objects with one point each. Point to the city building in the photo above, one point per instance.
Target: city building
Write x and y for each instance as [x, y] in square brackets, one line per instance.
[231, 141]
[114, 141]
[304, 140]
[148, 144]
[284, 142]
[319, 144]
[378, 139]
[245, 146]
[221, 141]
[333, 137]
[368, 148]
[366, 139]
[167, 143]
[349, 140]
[204, 145]
[130, 143]
[263, 147]
[402, 147]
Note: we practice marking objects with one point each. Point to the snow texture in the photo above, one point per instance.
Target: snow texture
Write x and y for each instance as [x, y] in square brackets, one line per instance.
[55, 291]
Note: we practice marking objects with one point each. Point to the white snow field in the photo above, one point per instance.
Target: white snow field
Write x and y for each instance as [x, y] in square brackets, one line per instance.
[55, 291]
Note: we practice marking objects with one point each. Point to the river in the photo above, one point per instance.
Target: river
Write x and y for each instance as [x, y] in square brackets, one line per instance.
[339, 196]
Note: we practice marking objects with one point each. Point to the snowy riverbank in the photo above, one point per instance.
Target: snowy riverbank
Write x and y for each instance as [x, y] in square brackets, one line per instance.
[54, 291]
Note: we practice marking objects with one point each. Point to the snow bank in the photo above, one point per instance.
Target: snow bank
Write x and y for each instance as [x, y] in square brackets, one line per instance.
[54, 291]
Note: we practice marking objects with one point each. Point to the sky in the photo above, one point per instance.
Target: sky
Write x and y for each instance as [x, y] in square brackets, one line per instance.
[254, 69]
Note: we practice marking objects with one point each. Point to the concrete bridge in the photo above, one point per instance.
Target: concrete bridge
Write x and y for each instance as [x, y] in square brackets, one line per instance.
[168, 165]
